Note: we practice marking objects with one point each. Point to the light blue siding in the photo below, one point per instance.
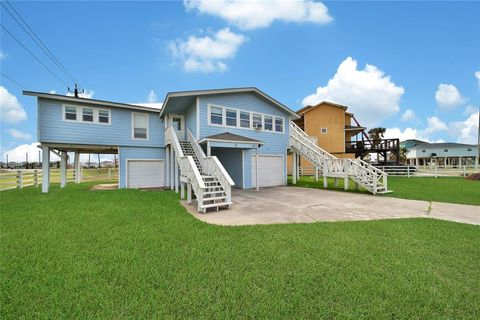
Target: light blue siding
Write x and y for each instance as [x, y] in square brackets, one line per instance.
[52, 127]
[274, 143]
[231, 160]
[136, 153]
[191, 119]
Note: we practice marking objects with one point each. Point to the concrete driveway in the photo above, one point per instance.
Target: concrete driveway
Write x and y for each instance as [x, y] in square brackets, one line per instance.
[305, 205]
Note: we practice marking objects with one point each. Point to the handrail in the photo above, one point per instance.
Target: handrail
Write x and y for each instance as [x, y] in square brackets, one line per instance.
[223, 171]
[196, 147]
[306, 140]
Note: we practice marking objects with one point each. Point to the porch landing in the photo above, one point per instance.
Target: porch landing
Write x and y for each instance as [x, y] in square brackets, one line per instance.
[302, 205]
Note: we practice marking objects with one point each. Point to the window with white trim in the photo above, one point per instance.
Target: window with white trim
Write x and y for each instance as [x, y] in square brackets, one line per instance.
[231, 117]
[279, 124]
[268, 123]
[324, 130]
[87, 114]
[70, 113]
[104, 116]
[140, 125]
[244, 119]
[216, 115]
[257, 121]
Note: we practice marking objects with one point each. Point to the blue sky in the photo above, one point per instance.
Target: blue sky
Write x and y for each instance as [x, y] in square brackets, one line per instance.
[422, 56]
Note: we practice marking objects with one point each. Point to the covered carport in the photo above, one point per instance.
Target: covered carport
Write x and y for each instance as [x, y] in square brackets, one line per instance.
[62, 150]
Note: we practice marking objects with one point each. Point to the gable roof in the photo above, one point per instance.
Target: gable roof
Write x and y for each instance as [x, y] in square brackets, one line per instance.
[230, 137]
[195, 93]
[309, 108]
[427, 145]
[104, 103]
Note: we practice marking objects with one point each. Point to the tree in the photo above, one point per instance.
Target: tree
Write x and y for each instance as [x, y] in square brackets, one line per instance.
[376, 135]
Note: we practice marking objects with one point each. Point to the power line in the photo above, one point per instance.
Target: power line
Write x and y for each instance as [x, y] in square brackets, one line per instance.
[37, 40]
[34, 56]
[14, 81]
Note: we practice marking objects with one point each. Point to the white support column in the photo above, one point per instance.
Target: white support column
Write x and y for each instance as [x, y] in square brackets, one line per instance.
[63, 169]
[294, 168]
[189, 193]
[172, 170]
[209, 149]
[346, 183]
[335, 182]
[45, 169]
[316, 174]
[167, 166]
[78, 176]
[176, 177]
[182, 190]
[325, 180]
[298, 166]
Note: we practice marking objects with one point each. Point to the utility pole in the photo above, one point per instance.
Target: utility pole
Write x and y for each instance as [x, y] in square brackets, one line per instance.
[7, 160]
[478, 142]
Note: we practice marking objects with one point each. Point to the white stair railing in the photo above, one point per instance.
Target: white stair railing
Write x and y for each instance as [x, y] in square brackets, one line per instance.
[212, 167]
[368, 176]
[188, 169]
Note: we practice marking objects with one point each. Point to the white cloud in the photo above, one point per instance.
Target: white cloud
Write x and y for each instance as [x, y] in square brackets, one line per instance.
[408, 115]
[448, 97]
[369, 93]
[435, 125]
[88, 94]
[466, 131]
[470, 109]
[52, 92]
[3, 55]
[10, 109]
[261, 14]
[152, 101]
[18, 154]
[19, 135]
[408, 133]
[152, 97]
[206, 54]
[477, 75]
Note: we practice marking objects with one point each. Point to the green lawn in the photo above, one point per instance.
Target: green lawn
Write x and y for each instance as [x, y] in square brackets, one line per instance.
[75, 253]
[452, 190]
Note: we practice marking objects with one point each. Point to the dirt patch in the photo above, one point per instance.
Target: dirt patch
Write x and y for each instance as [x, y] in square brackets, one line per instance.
[105, 186]
[154, 189]
[475, 176]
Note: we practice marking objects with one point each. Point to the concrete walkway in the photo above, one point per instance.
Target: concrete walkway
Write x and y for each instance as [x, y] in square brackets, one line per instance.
[304, 205]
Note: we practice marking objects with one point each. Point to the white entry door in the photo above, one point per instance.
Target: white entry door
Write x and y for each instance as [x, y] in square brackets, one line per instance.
[270, 170]
[145, 173]
[177, 121]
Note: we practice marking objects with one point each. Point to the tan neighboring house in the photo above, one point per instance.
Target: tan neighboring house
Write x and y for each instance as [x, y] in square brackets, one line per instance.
[331, 126]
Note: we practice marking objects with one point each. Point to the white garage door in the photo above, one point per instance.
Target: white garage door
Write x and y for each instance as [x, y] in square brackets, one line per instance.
[145, 173]
[270, 171]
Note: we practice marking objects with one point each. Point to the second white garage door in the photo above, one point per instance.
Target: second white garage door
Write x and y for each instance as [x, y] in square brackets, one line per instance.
[145, 173]
[270, 171]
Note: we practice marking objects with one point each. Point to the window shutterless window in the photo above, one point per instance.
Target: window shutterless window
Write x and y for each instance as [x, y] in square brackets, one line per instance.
[140, 126]
[279, 124]
[324, 130]
[445, 150]
[216, 115]
[244, 119]
[103, 116]
[268, 123]
[70, 113]
[231, 117]
[257, 121]
[177, 123]
[87, 114]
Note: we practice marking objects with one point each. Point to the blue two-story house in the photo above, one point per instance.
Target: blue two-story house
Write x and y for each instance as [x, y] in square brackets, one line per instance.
[204, 141]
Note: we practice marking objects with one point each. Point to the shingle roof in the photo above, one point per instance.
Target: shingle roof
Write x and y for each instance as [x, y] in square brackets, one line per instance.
[443, 145]
[227, 136]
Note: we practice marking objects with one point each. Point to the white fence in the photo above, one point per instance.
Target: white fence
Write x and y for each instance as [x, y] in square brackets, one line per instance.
[17, 179]
[408, 171]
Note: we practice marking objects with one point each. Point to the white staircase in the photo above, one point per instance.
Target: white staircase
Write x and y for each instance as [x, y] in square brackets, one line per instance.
[366, 175]
[206, 176]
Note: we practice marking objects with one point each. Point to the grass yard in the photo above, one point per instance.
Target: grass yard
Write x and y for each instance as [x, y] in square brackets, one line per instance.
[75, 253]
[451, 189]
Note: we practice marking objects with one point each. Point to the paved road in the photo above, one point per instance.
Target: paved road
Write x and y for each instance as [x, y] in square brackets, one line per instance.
[304, 205]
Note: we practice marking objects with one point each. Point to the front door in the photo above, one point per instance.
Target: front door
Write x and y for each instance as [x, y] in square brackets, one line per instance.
[177, 121]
